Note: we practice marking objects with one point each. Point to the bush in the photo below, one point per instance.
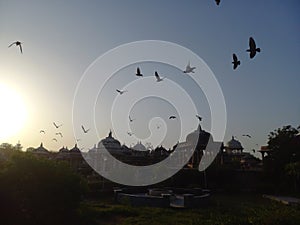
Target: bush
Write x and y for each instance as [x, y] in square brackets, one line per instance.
[38, 191]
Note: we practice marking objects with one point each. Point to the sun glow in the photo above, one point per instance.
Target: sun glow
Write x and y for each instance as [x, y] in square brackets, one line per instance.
[13, 112]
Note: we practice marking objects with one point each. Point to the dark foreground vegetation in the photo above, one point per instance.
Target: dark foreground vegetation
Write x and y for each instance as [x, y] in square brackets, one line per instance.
[38, 191]
[238, 209]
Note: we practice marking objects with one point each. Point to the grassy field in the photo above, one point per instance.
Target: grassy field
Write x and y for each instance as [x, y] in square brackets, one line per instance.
[223, 210]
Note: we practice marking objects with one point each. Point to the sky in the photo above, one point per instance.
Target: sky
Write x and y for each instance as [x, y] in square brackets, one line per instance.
[61, 40]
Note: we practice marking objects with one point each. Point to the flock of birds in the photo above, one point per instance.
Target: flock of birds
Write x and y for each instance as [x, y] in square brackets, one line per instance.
[252, 50]
[56, 134]
[189, 69]
[236, 62]
[138, 73]
[19, 44]
[57, 126]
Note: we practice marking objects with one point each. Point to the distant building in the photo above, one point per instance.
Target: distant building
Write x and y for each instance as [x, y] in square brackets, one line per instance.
[41, 151]
[197, 141]
[233, 154]
[233, 146]
[139, 155]
[265, 151]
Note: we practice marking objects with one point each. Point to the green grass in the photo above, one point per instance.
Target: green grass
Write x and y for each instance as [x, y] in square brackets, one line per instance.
[223, 210]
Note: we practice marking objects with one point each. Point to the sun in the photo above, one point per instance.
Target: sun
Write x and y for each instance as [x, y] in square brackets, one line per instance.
[13, 112]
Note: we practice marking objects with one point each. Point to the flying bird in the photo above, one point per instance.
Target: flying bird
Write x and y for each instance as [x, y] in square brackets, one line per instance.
[189, 69]
[199, 117]
[84, 130]
[218, 2]
[42, 131]
[130, 119]
[252, 48]
[17, 43]
[158, 78]
[59, 133]
[246, 135]
[138, 72]
[54, 139]
[57, 126]
[172, 117]
[121, 91]
[235, 61]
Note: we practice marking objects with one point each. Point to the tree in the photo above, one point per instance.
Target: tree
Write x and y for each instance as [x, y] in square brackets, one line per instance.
[6, 152]
[38, 191]
[284, 148]
[293, 170]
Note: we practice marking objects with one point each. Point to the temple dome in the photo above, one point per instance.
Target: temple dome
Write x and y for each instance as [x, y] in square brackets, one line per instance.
[109, 142]
[75, 149]
[200, 136]
[41, 149]
[234, 144]
[139, 147]
[63, 150]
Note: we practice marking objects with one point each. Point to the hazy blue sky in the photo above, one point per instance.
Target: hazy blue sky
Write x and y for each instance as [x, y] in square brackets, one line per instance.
[61, 39]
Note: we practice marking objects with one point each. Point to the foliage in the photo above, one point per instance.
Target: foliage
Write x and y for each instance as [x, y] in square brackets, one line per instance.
[285, 150]
[223, 210]
[38, 191]
[293, 170]
[282, 146]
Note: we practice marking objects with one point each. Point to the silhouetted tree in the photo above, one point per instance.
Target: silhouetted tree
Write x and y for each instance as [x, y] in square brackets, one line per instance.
[38, 191]
[293, 170]
[285, 149]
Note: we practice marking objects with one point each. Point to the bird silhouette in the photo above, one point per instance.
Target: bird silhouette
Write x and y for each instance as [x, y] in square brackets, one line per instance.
[130, 119]
[172, 117]
[42, 131]
[158, 78]
[121, 91]
[130, 133]
[59, 133]
[57, 126]
[138, 72]
[235, 61]
[246, 135]
[189, 69]
[252, 48]
[17, 43]
[218, 2]
[84, 130]
[54, 139]
[199, 117]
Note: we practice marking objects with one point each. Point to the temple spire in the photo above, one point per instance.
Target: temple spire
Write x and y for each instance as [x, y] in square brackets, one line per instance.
[199, 127]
